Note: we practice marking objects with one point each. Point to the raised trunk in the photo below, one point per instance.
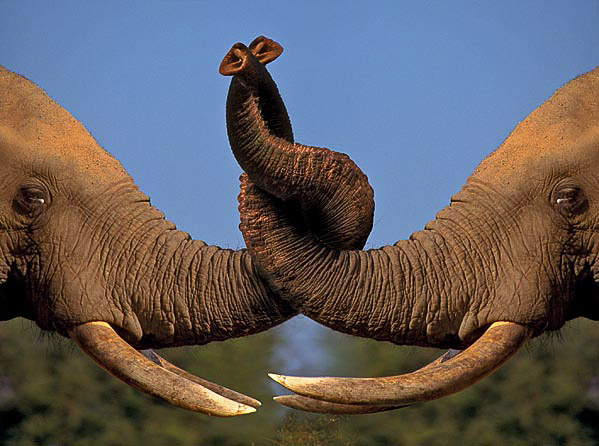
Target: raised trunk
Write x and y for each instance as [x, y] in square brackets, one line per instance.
[324, 206]
[340, 216]
[501, 264]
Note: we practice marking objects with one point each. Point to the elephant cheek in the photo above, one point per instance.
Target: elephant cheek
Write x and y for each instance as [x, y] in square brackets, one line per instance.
[530, 301]
[77, 299]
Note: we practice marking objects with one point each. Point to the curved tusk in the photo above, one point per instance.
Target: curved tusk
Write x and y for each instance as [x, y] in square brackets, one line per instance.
[441, 378]
[112, 353]
[216, 388]
[318, 406]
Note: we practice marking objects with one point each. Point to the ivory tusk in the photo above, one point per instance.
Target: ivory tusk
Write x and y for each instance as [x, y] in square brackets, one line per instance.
[216, 388]
[436, 380]
[112, 353]
[318, 406]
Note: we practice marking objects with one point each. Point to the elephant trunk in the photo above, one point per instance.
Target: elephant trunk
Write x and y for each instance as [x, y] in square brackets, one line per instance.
[340, 216]
[169, 291]
[477, 277]
[318, 207]
[205, 293]
[410, 293]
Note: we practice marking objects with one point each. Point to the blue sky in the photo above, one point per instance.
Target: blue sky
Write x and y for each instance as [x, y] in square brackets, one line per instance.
[417, 93]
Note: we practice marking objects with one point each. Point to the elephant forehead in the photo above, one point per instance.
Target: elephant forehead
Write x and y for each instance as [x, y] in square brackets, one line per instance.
[33, 126]
[558, 131]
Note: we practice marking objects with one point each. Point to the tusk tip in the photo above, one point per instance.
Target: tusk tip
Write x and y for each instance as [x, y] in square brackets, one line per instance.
[278, 378]
[244, 410]
[150, 373]
[300, 384]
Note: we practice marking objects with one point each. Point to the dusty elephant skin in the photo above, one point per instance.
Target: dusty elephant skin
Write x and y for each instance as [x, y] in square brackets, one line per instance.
[515, 254]
[83, 253]
[341, 217]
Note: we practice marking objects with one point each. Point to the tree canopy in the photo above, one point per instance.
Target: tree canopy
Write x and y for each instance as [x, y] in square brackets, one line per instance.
[51, 394]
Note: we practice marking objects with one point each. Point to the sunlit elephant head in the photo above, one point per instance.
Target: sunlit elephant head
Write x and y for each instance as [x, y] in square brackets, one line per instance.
[515, 254]
[84, 253]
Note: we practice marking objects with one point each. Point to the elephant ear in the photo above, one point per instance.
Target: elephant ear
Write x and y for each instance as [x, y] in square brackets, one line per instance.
[265, 49]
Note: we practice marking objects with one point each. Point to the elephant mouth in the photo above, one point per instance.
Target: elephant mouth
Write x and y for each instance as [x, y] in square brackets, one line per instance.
[586, 300]
[145, 370]
[152, 374]
[12, 296]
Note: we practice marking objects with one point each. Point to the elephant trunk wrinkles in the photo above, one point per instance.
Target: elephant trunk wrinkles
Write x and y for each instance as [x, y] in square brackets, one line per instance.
[173, 290]
[209, 293]
[410, 293]
[340, 215]
[323, 206]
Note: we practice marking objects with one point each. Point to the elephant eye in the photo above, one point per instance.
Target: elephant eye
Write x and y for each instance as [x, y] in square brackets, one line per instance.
[31, 201]
[570, 201]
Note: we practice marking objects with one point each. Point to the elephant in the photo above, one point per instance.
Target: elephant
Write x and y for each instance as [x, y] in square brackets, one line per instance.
[514, 254]
[83, 253]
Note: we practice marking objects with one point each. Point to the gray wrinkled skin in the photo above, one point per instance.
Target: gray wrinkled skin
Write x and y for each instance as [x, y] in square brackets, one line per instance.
[79, 242]
[519, 243]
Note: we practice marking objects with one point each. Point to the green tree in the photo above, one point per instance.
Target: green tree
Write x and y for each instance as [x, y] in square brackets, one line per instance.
[548, 394]
[52, 394]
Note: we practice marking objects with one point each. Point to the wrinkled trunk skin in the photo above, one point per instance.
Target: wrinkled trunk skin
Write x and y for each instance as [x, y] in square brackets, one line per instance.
[340, 216]
[196, 293]
[497, 253]
[387, 294]
[153, 283]
[98, 251]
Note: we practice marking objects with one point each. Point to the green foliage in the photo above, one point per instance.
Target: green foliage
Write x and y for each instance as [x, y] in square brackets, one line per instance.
[548, 394]
[51, 394]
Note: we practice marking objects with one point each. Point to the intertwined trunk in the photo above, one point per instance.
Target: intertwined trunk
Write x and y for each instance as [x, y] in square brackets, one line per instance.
[415, 292]
[317, 208]
[338, 213]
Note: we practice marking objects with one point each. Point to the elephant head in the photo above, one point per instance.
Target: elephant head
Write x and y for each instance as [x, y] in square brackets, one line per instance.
[515, 254]
[83, 253]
